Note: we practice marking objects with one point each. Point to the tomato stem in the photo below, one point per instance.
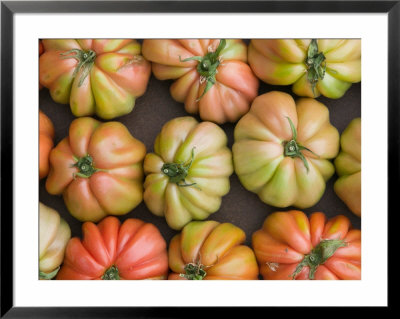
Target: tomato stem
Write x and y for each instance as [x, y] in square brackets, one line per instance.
[111, 273]
[293, 149]
[85, 166]
[177, 172]
[207, 66]
[85, 62]
[194, 271]
[316, 65]
[319, 255]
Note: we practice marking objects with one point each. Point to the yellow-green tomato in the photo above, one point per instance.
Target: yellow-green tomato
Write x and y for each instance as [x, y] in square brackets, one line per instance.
[188, 172]
[54, 234]
[282, 149]
[348, 167]
[325, 67]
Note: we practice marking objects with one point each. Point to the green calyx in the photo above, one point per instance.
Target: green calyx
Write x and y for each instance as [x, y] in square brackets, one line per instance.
[293, 149]
[315, 63]
[85, 62]
[207, 66]
[48, 276]
[194, 272]
[85, 166]
[111, 273]
[319, 255]
[177, 172]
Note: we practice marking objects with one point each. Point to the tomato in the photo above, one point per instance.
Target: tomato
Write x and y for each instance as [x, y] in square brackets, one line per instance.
[98, 169]
[46, 137]
[348, 167]
[211, 77]
[210, 250]
[111, 251]
[41, 49]
[325, 67]
[95, 76]
[291, 246]
[188, 172]
[282, 149]
[54, 234]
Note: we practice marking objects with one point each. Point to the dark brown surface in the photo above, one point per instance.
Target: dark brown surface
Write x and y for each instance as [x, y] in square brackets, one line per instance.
[239, 206]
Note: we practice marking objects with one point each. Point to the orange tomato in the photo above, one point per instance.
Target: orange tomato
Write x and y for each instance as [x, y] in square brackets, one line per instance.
[111, 251]
[209, 250]
[291, 246]
[98, 169]
[212, 77]
[46, 137]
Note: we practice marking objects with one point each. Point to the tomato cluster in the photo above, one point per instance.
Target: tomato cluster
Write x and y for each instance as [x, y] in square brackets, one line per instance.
[284, 150]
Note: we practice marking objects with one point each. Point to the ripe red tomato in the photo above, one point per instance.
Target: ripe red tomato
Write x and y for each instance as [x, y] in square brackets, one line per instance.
[111, 251]
[291, 246]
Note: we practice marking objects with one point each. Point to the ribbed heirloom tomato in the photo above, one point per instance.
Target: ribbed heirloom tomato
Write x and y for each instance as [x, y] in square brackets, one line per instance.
[212, 77]
[111, 251]
[188, 172]
[282, 150]
[41, 49]
[325, 67]
[95, 76]
[54, 234]
[46, 137]
[98, 169]
[348, 167]
[210, 250]
[291, 246]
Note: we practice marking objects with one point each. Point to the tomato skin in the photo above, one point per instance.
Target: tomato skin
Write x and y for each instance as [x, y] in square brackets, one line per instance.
[286, 237]
[117, 76]
[54, 234]
[282, 62]
[211, 165]
[348, 167]
[217, 247]
[259, 150]
[41, 49]
[235, 88]
[46, 137]
[115, 188]
[137, 249]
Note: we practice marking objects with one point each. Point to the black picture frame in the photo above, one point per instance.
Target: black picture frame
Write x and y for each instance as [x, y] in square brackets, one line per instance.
[9, 8]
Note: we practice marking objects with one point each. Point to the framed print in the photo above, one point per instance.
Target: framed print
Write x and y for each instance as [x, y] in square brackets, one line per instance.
[196, 140]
